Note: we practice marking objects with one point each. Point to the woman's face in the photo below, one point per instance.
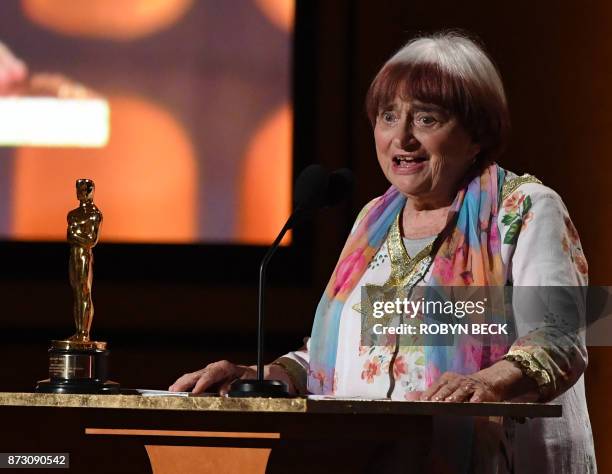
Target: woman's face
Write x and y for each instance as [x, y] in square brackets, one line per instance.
[423, 150]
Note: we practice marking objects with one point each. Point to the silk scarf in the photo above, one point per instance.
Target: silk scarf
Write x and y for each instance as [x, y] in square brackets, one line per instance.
[470, 254]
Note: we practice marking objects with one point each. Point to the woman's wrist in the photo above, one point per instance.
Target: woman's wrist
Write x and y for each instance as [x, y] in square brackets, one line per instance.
[509, 381]
[278, 372]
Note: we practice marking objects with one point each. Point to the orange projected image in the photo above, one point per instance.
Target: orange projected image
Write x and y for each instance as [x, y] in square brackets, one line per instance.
[267, 171]
[111, 19]
[280, 12]
[146, 188]
[200, 144]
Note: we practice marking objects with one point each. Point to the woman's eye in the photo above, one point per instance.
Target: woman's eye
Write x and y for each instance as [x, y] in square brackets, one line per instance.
[425, 120]
[388, 117]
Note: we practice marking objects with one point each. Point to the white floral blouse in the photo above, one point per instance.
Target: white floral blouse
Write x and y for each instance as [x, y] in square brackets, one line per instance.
[545, 253]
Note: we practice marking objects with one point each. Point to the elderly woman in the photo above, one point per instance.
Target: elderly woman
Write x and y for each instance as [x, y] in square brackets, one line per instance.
[452, 217]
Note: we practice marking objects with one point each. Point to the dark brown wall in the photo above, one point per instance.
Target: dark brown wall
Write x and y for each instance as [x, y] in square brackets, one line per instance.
[555, 61]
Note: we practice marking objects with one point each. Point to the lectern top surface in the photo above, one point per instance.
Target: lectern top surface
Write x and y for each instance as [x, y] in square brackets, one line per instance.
[280, 405]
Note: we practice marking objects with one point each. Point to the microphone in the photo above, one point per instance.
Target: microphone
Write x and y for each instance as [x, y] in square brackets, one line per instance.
[314, 188]
[310, 188]
[340, 186]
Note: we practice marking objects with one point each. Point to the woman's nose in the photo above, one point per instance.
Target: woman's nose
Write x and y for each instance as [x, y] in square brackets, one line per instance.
[405, 138]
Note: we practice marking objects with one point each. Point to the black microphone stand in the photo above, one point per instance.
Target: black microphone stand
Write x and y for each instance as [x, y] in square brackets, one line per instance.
[259, 387]
[314, 188]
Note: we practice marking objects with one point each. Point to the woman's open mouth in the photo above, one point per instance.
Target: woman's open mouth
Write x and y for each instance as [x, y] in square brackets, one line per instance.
[408, 164]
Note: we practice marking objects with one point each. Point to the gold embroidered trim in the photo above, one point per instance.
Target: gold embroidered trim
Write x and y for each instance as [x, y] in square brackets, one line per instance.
[532, 368]
[513, 183]
[403, 267]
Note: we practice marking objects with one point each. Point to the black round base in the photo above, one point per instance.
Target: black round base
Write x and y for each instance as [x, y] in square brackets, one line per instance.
[259, 388]
[72, 386]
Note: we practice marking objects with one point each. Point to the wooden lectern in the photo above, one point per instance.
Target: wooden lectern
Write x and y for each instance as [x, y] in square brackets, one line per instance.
[210, 434]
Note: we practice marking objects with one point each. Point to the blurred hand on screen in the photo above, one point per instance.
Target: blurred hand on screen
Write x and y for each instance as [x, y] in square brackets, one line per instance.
[57, 85]
[15, 80]
[13, 71]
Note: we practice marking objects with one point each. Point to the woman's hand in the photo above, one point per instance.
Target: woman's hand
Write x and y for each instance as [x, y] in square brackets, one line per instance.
[220, 375]
[500, 382]
[452, 387]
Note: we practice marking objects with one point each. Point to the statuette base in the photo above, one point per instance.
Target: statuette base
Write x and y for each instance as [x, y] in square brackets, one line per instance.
[69, 344]
[78, 367]
[67, 386]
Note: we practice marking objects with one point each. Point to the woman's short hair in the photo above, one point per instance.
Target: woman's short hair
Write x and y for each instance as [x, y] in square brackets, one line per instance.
[449, 70]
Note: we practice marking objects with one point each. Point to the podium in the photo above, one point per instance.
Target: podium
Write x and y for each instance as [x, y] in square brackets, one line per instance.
[211, 434]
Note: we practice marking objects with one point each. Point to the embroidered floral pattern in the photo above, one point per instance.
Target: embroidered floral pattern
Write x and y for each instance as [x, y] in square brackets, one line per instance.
[400, 367]
[371, 369]
[581, 263]
[409, 371]
[565, 243]
[513, 202]
[518, 215]
[319, 376]
[376, 360]
[571, 245]
[571, 230]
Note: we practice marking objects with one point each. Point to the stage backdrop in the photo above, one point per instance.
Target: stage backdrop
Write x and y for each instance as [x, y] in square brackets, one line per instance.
[201, 119]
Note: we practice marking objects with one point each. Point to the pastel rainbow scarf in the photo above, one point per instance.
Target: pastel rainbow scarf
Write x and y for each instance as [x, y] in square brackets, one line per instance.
[470, 254]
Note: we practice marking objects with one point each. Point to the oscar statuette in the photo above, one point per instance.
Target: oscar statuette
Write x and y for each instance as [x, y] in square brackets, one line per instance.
[78, 364]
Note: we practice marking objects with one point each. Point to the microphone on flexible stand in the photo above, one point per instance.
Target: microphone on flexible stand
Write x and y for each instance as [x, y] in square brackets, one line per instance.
[314, 188]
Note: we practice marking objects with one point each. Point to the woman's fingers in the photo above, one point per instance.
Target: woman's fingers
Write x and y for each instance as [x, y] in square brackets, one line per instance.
[208, 377]
[484, 393]
[446, 390]
[225, 388]
[451, 387]
[462, 393]
[432, 392]
[184, 382]
[216, 373]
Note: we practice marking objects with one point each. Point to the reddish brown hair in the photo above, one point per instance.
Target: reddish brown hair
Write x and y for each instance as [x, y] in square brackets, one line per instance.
[450, 71]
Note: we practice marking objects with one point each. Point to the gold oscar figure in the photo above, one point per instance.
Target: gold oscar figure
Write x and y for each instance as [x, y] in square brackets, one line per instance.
[78, 364]
[83, 227]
